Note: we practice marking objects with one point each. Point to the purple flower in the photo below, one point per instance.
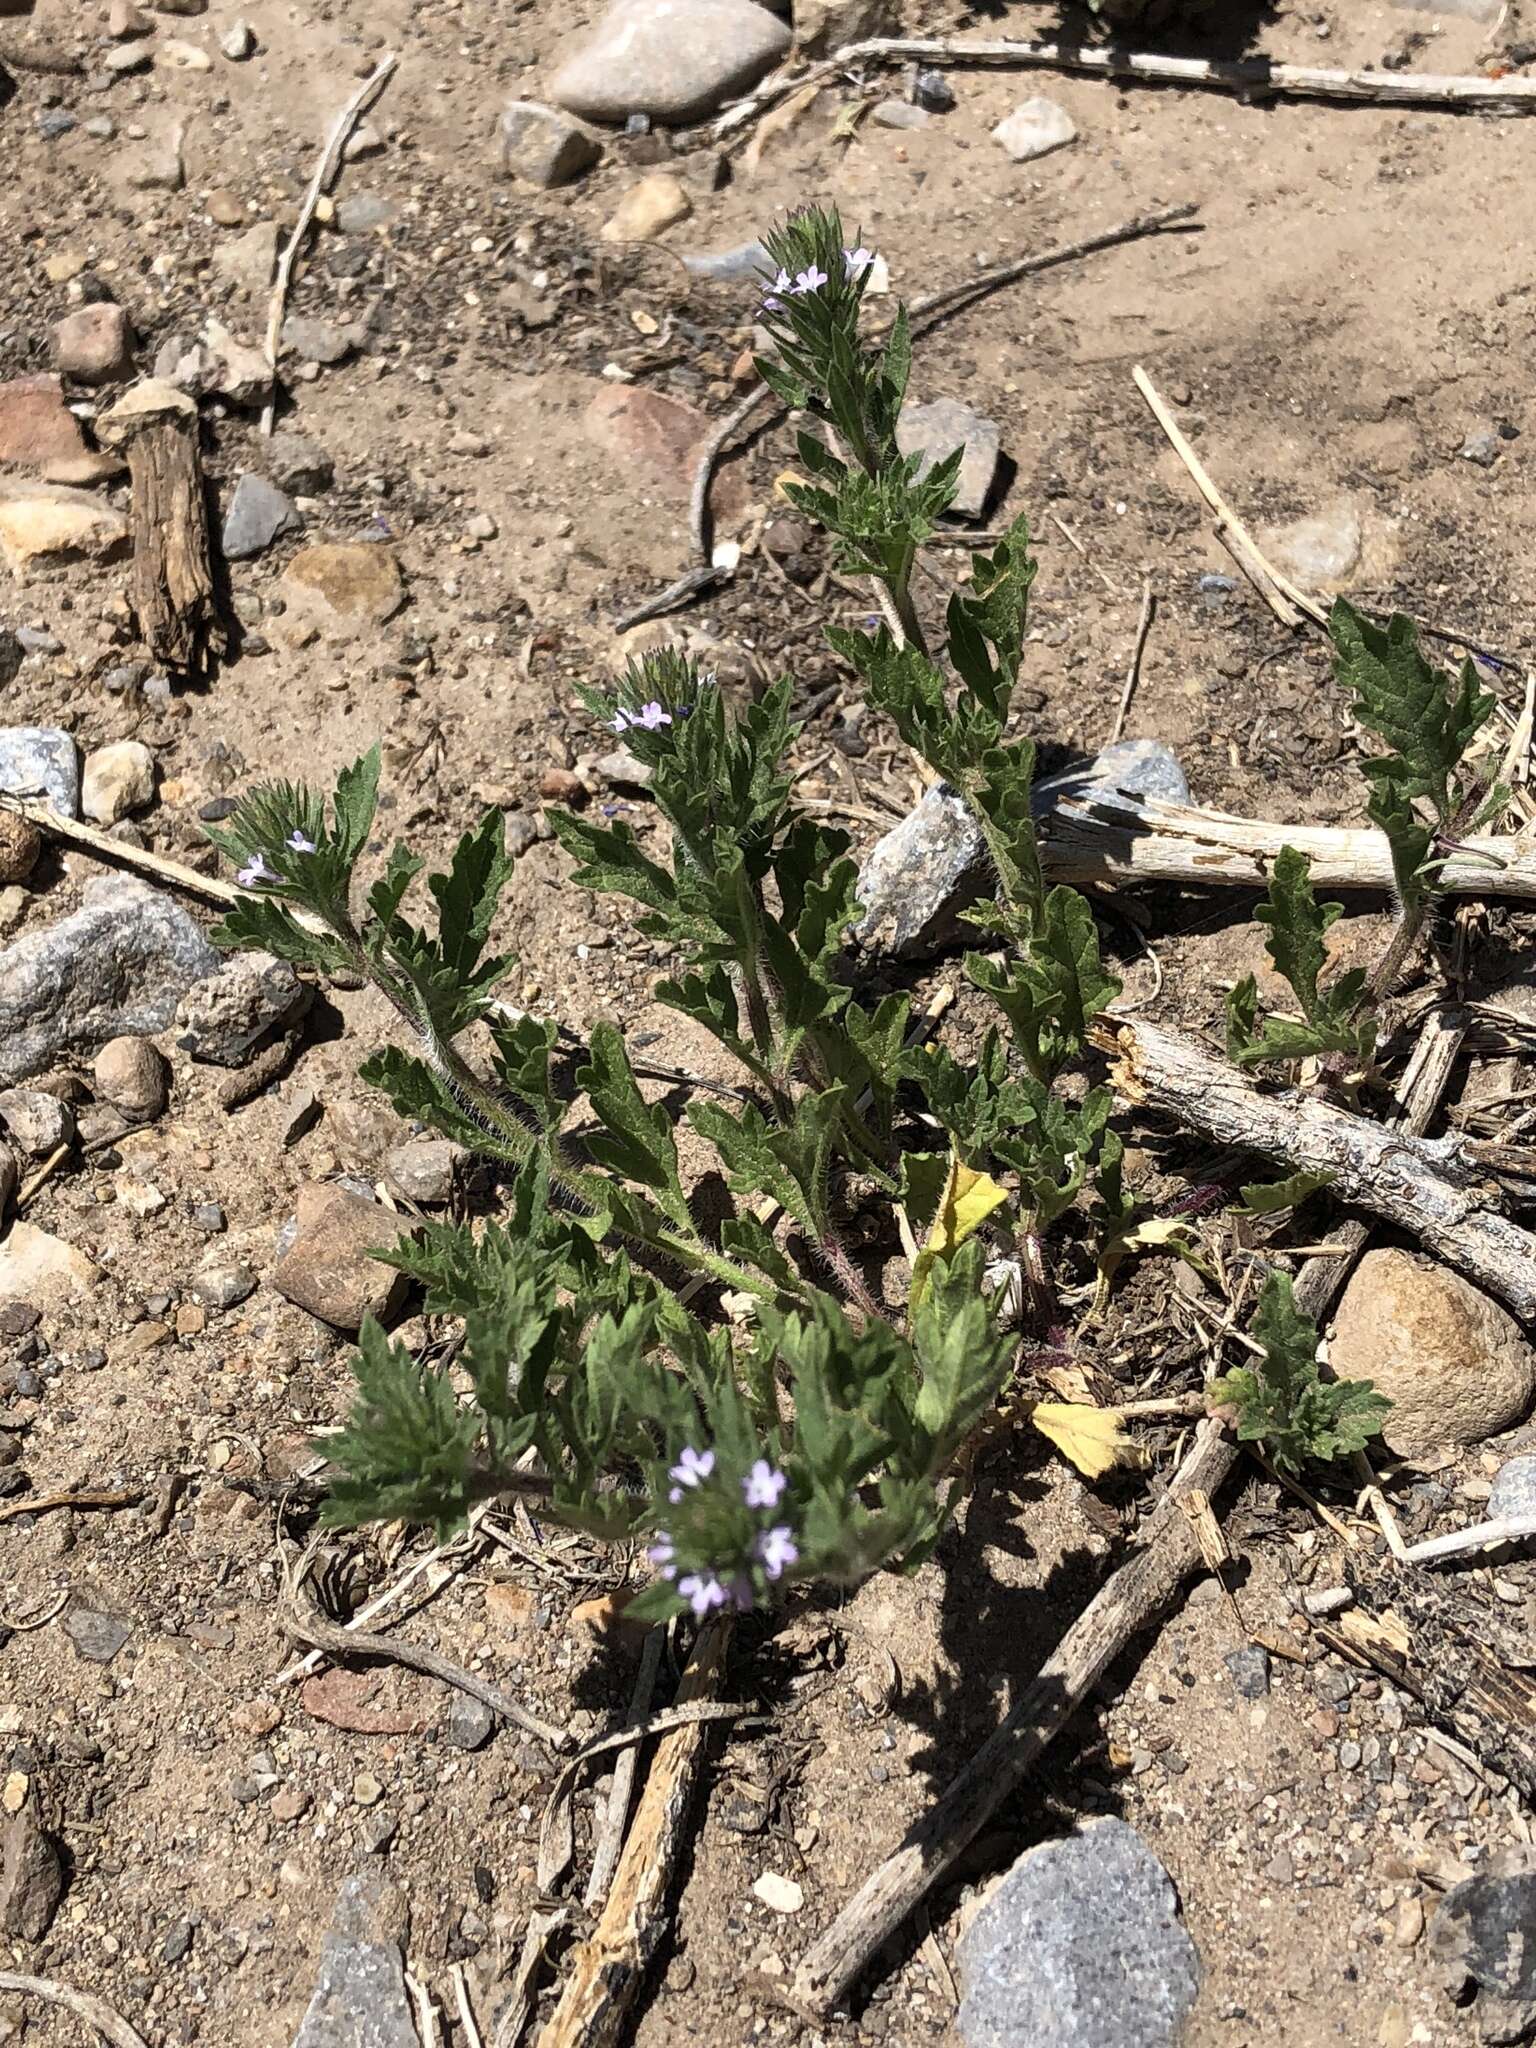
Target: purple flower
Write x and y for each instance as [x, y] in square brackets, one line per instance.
[691, 1469]
[809, 280]
[651, 716]
[776, 1550]
[256, 872]
[763, 1487]
[703, 1592]
[299, 842]
[857, 261]
[661, 1554]
[618, 724]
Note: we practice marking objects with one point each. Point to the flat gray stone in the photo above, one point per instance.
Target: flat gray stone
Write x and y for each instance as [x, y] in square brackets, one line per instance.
[544, 147]
[920, 876]
[41, 761]
[317, 341]
[226, 1014]
[1514, 1488]
[96, 1635]
[676, 60]
[1080, 1946]
[360, 1999]
[938, 429]
[363, 213]
[257, 515]
[119, 965]
[1035, 128]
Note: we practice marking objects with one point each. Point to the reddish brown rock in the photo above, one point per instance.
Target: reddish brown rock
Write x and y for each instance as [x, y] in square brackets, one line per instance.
[660, 437]
[36, 427]
[94, 344]
[327, 1268]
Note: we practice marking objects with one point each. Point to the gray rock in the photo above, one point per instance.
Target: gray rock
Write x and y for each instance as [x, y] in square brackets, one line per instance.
[222, 1018]
[1321, 551]
[296, 463]
[900, 114]
[424, 1169]
[38, 1122]
[675, 60]
[744, 264]
[624, 769]
[363, 212]
[238, 42]
[118, 965]
[96, 1635]
[920, 876]
[1249, 1667]
[934, 864]
[470, 1722]
[1514, 1488]
[542, 147]
[1080, 1944]
[360, 1998]
[1035, 128]
[222, 1285]
[1485, 1932]
[1484, 447]
[328, 1265]
[938, 429]
[257, 514]
[53, 122]
[38, 640]
[931, 89]
[40, 760]
[317, 341]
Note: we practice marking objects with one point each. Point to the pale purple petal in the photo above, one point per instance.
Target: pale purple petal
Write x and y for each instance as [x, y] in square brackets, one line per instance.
[857, 261]
[763, 1487]
[256, 872]
[691, 1469]
[703, 1592]
[777, 1551]
[299, 842]
[811, 279]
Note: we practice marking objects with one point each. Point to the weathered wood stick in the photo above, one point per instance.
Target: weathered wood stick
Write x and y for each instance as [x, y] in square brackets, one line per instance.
[1425, 1186]
[1145, 839]
[1253, 77]
[1123, 1607]
[174, 598]
[610, 1968]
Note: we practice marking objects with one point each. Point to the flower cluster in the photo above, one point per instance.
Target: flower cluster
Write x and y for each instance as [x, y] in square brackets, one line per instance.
[767, 1554]
[812, 278]
[650, 718]
[257, 873]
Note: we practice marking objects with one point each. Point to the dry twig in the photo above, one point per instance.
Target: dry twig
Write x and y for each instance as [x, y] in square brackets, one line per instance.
[94, 2011]
[1143, 627]
[610, 1967]
[321, 183]
[310, 1626]
[1426, 1186]
[610, 1835]
[45, 1503]
[1253, 77]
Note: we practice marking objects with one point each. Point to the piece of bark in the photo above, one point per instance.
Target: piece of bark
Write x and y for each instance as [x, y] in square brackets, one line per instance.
[1429, 1187]
[173, 591]
[1148, 839]
[1466, 1662]
[610, 1968]
[1124, 1605]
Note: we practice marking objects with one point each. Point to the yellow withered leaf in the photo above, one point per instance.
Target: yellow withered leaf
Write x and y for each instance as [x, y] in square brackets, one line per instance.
[1094, 1439]
[969, 1198]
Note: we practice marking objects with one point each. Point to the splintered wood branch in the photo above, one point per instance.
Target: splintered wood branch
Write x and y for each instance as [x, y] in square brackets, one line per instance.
[610, 1968]
[1252, 77]
[173, 593]
[1145, 839]
[1126, 1604]
[1428, 1187]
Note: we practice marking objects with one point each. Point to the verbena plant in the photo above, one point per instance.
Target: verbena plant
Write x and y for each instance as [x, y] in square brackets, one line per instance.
[739, 1397]
[1423, 796]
